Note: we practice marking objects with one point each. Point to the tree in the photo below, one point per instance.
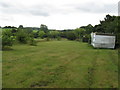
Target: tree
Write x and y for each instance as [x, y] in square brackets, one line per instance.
[44, 28]
[35, 33]
[13, 31]
[110, 24]
[54, 34]
[98, 28]
[21, 36]
[20, 26]
[79, 32]
[7, 38]
[117, 32]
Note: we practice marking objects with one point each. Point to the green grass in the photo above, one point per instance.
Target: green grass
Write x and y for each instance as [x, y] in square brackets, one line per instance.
[60, 64]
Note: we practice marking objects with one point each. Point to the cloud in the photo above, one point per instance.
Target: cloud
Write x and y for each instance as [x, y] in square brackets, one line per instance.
[38, 13]
[6, 18]
[47, 9]
[57, 14]
[5, 5]
[40, 10]
[94, 7]
[119, 8]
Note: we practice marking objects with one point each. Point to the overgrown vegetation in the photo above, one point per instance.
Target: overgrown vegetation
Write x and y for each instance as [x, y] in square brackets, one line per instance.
[17, 35]
[7, 38]
[25, 35]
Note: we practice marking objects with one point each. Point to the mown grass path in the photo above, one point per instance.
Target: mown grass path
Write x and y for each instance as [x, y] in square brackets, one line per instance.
[60, 64]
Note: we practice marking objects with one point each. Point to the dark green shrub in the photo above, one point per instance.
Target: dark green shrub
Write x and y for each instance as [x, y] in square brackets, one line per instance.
[86, 38]
[58, 38]
[22, 36]
[41, 34]
[71, 35]
[53, 34]
[7, 39]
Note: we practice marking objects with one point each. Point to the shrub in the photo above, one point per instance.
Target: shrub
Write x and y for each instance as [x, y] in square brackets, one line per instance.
[54, 34]
[35, 33]
[22, 36]
[41, 34]
[32, 42]
[58, 38]
[118, 40]
[71, 35]
[86, 38]
[7, 39]
[47, 39]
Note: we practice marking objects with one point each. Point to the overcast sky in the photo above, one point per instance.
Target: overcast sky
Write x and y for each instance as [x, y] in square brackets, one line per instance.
[56, 14]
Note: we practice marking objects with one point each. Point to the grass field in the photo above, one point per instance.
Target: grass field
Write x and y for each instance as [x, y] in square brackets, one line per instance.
[60, 64]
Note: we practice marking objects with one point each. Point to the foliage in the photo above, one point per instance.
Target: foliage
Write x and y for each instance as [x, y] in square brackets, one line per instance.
[118, 31]
[32, 42]
[44, 28]
[58, 38]
[28, 30]
[22, 36]
[110, 24]
[9, 27]
[79, 32]
[71, 35]
[86, 38]
[7, 38]
[20, 26]
[35, 33]
[13, 31]
[63, 34]
[41, 34]
[47, 39]
[53, 34]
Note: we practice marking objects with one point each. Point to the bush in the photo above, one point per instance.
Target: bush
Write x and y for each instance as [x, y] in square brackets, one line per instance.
[41, 34]
[25, 37]
[54, 34]
[86, 38]
[47, 39]
[58, 38]
[32, 42]
[7, 39]
[118, 40]
[79, 32]
[22, 36]
[71, 35]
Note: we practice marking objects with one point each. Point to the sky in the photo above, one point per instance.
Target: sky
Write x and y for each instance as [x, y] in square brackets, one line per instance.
[56, 14]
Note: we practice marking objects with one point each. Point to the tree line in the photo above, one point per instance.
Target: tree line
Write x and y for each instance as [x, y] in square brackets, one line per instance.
[26, 35]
